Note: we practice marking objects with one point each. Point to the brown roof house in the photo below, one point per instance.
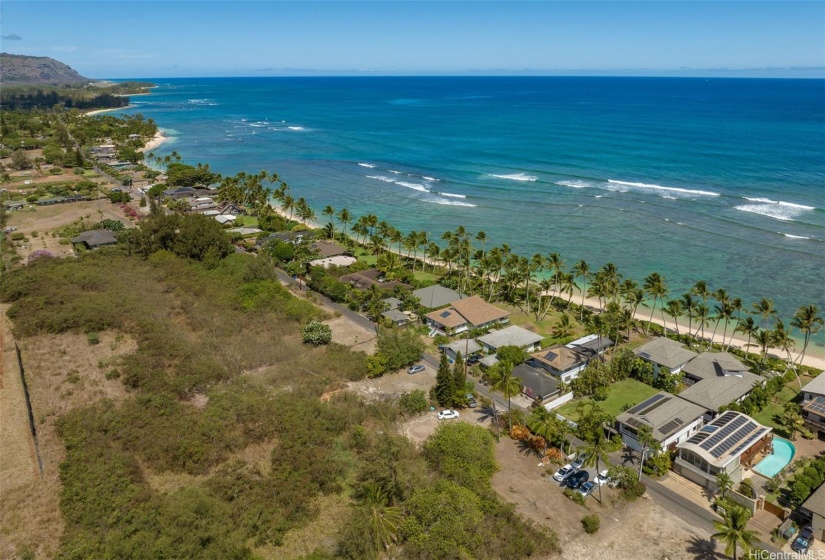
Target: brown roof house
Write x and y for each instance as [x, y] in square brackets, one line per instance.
[95, 238]
[365, 279]
[561, 361]
[326, 248]
[464, 314]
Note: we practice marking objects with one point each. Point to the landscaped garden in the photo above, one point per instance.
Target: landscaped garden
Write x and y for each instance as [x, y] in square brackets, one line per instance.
[623, 394]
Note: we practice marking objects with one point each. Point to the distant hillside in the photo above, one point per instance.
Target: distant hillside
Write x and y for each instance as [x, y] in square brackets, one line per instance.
[17, 69]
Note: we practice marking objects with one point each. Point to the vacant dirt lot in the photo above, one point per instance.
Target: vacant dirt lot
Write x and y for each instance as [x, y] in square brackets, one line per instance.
[393, 385]
[351, 334]
[62, 372]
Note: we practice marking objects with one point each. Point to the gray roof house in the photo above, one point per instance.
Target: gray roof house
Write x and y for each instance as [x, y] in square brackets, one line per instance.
[671, 419]
[665, 353]
[511, 336]
[95, 238]
[535, 384]
[715, 392]
[465, 346]
[710, 365]
[433, 297]
[398, 317]
[814, 388]
[814, 507]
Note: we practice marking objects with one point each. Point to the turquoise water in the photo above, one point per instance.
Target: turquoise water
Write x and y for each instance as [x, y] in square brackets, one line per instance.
[782, 455]
[719, 180]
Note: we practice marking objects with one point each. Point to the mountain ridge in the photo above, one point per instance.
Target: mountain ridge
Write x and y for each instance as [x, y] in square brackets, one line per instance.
[19, 69]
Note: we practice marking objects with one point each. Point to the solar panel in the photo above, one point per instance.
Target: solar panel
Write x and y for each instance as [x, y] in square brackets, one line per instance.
[445, 314]
[724, 419]
[725, 431]
[816, 406]
[710, 428]
[733, 439]
[671, 426]
[633, 422]
[747, 443]
[698, 438]
[654, 399]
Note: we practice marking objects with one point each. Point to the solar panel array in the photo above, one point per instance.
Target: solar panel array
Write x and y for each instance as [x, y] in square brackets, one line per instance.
[671, 426]
[747, 443]
[817, 406]
[731, 431]
[646, 405]
[719, 435]
[735, 437]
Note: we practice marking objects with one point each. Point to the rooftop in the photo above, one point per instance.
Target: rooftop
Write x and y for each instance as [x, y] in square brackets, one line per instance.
[95, 238]
[561, 358]
[592, 343]
[339, 260]
[433, 297]
[396, 316]
[666, 414]
[713, 364]
[725, 438]
[479, 312]
[511, 336]
[715, 392]
[815, 385]
[327, 248]
[448, 318]
[816, 502]
[465, 346]
[665, 352]
[536, 382]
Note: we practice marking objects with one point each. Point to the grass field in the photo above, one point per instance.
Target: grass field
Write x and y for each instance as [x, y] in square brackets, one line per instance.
[628, 392]
[766, 416]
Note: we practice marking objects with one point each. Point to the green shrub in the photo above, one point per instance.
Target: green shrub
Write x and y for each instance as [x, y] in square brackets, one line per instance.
[590, 523]
[575, 496]
[93, 337]
[113, 374]
[413, 402]
[316, 333]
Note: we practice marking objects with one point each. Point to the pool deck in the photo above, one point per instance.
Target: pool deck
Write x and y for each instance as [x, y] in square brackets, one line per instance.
[783, 441]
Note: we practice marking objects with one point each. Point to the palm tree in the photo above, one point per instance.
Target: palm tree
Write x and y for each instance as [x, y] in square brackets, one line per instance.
[564, 327]
[690, 309]
[481, 237]
[582, 270]
[288, 205]
[701, 314]
[765, 340]
[596, 452]
[344, 217]
[807, 320]
[544, 424]
[433, 253]
[330, 211]
[748, 327]
[733, 531]
[675, 309]
[766, 309]
[782, 340]
[655, 286]
[723, 483]
[383, 520]
[502, 381]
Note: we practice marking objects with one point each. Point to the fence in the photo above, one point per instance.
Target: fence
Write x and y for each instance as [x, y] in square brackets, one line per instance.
[32, 425]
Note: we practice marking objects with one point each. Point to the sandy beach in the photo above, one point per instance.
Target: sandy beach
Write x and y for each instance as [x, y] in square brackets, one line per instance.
[158, 139]
[99, 111]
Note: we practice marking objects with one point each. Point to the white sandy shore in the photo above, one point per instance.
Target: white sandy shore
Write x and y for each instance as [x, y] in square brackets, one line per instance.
[156, 141]
[644, 314]
[99, 111]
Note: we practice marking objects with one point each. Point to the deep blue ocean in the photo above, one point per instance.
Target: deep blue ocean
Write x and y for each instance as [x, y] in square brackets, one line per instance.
[720, 180]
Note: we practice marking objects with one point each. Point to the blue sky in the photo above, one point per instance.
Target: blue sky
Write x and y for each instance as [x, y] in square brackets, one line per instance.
[131, 39]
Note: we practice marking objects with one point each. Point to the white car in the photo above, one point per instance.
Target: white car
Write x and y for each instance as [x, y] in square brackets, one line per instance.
[602, 479]
[578, 462]
[447, 414]
[563, 473]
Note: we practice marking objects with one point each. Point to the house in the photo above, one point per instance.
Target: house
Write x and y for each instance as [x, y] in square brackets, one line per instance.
[723, 445]
[711, 364]
[179, 192]
[293, 237]
[223, 220]
[393, 303]
[535, 384]
[592, 344]
[398, 317]
[511, 336]
[327, 248]
[437, 296]
[363, 280]
[813, 412]
[814, 508]
[665, 354]
[463, 314]
[95, 238]
[340, 260]
[814, 388]
[467, 347]
[50, 201]
[243, 231]
[713, 393]
[15, 205]
[672, 420]
[560, 361]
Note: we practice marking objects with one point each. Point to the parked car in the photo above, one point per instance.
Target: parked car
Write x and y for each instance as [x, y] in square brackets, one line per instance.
[471, 401]
[564, 472]
[473, 360]
[447, 414]
[578, 462]
[418, 368]
[602, 479]
[577, 479]
[586, 488]
[803, 542]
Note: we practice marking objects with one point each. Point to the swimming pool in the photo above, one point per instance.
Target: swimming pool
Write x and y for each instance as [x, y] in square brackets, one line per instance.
[783, 452]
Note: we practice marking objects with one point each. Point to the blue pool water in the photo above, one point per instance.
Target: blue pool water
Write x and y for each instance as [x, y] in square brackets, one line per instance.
[783, 452]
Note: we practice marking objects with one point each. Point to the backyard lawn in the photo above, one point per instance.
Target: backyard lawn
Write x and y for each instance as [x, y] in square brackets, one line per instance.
[623, 394]
[766, 416]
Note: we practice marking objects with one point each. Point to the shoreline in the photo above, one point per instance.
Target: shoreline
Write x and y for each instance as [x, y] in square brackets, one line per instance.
[100, 111]
[734, 341]
[158, 139]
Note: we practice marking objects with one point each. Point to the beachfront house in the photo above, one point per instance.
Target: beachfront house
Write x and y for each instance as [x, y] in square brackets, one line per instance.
[723, 389]
[535, 384]
[338, 260]
[665, 355]
[436, 296]
[464, 314]
[327, 248]
[364, 279]
[813, 406]
[671, 420]
[723, 445]
[511, 336]
[710, 365]
[568, 361]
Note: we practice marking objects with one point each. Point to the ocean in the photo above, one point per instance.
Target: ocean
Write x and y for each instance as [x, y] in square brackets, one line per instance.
[720, 180]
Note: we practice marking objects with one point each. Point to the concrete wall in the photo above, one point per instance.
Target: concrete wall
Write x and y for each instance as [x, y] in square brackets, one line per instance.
[559, 401]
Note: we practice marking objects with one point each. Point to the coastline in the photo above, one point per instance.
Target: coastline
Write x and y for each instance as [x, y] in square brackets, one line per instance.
[734, 341]
[158, 139]
[100, 111]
